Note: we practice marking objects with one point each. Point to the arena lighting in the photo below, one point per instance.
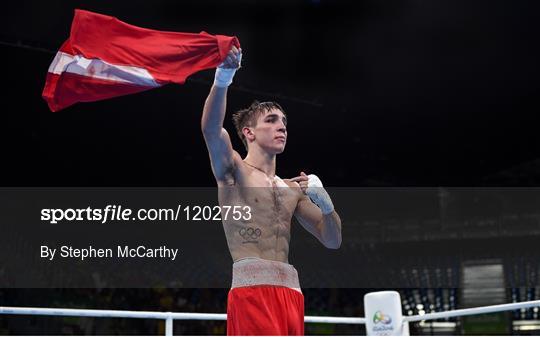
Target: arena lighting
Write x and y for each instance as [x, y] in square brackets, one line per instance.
[527, 325]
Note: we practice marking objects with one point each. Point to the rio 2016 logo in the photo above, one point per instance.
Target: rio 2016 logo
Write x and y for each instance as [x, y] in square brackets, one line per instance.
[380, 317]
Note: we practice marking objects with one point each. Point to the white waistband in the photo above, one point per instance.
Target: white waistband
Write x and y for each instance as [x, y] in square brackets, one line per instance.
[254, 271]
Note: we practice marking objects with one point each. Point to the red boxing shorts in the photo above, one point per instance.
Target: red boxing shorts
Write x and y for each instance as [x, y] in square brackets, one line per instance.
[265, 299]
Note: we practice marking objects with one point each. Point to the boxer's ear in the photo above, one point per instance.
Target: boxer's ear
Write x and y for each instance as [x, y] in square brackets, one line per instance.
[248, 133]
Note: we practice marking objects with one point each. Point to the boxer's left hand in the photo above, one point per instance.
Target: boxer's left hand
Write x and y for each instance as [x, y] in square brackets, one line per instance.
[302, 181]
[312, 186]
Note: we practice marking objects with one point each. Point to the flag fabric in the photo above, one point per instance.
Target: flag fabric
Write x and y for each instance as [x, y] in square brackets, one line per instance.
[105, 57]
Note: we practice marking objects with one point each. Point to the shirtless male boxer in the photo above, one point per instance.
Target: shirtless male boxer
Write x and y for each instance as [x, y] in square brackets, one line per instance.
[265, 297]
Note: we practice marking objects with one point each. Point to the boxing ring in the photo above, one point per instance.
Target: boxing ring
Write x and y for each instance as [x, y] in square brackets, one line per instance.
[386, 300]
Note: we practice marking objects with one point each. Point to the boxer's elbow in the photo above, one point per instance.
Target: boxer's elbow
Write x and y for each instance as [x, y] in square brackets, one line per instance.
[207, 129]
[210, 126]
[210, 131]
[330, 234]
[333, 243]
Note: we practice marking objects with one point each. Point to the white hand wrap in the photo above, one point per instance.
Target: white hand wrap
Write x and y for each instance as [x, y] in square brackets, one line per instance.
[224, 76]
[318, 194]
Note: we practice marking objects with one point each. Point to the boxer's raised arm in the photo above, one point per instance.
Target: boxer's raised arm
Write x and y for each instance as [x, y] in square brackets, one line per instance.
[217, 139]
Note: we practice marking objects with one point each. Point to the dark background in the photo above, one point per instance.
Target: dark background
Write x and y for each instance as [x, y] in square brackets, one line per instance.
[378, 93]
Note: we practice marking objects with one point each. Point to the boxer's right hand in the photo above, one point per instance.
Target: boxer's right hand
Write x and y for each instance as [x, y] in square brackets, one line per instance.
[233, 59]
[226, 70]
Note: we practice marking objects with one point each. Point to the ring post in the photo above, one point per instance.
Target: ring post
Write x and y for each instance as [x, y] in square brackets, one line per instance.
[383, 314]
[169, 326]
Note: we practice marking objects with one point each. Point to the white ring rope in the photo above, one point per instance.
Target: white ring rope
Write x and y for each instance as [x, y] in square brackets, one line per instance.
[170, 316]
[156, 315]
[472, 311]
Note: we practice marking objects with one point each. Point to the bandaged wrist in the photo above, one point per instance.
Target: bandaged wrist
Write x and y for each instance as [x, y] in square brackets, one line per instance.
[318, 194]
[224, 77]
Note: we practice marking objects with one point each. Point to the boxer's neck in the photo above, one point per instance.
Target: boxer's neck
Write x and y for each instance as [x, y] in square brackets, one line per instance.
[264, 162]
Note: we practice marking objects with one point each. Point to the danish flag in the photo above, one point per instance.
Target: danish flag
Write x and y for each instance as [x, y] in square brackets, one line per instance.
[105, 57]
